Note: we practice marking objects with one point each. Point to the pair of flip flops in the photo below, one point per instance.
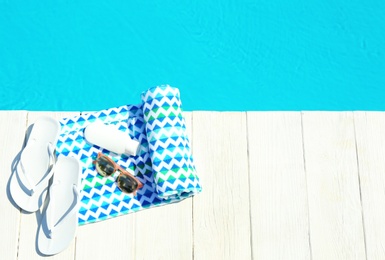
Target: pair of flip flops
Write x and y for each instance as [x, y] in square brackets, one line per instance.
[30, 185]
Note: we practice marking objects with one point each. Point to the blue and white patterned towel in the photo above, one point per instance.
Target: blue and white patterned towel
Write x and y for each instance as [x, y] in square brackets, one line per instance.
[164, 162]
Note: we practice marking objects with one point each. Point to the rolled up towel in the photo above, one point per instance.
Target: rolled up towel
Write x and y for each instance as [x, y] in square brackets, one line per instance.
[169, 146]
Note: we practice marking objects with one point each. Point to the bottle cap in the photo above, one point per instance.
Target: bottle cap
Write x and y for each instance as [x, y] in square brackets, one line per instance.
[131, 147]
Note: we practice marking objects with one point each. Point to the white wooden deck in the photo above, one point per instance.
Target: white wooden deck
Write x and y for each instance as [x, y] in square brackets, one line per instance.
[276, 185]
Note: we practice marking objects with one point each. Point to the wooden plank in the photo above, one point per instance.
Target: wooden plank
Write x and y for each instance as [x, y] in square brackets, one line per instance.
[221, 212]
[370, 136]
[336, 228]
[278, 191]
[172, 225]
[110, 239]
[12, 133]
[164, 232]
[30, 221]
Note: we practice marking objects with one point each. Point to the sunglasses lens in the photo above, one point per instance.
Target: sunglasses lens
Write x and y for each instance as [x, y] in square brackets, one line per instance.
[127, 184]
[104, 167]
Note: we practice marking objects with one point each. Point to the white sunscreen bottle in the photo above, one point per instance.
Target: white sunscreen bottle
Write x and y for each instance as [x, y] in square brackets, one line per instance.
[111, 138]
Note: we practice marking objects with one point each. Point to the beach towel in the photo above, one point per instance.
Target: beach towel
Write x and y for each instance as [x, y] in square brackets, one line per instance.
[164, 163]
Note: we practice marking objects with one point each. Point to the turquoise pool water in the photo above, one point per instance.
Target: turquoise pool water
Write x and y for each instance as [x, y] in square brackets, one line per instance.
[222, 55]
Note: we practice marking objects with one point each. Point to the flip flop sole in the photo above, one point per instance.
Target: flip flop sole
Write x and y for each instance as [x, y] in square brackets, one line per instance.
[60, 221]
[36, 160]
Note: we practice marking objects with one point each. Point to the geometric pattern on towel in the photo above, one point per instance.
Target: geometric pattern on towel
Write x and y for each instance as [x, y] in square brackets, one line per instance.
[172, 162]
[100, 198]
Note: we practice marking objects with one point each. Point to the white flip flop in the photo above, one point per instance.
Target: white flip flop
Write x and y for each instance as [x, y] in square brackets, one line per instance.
[29, 181]
[60, 218]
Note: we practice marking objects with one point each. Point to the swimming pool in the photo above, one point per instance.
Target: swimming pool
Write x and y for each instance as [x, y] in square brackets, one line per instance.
[222, 55]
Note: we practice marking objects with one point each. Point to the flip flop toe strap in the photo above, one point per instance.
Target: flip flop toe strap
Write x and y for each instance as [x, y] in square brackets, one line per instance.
[71, 211]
